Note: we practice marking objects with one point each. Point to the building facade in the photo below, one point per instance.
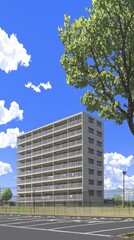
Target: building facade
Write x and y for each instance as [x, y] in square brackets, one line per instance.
[62, 163]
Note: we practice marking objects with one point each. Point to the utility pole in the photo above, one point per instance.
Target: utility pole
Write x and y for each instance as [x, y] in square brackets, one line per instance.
[124, 174]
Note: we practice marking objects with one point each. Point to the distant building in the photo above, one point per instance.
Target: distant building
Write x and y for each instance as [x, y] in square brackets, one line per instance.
[61, 163]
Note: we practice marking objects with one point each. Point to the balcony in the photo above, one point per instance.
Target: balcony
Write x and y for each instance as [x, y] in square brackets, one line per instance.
[49, 150]
[34, 145]
[74, 122]
[67, 145]
[44, 132]
[61, 176]
[60, 127]
[36, 153]
[66, 186]
[34, 135]
[50, 140]
[67, 175]
[38, 170]
[51, 187]
[68, 165]
[61, 197]
[56, 167]
[34, 162]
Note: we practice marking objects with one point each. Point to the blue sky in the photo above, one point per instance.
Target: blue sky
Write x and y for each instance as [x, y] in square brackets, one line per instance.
[33, 88]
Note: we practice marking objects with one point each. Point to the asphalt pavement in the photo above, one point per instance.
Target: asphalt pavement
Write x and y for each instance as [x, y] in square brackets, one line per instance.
[62, 228]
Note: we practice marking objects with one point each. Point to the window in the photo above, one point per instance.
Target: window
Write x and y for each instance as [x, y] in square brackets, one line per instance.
[91, 140]
[91, 192]
[75, 118]
[91, 161]
[91, 120]
[99, 144]
[99, 154]
[91, 151]
[99, 163]
[98, 124]
[99, 173]
[91, 182]
[91, 130]
[91, 171]
[99, 183]
[99, 193]
[99, 134]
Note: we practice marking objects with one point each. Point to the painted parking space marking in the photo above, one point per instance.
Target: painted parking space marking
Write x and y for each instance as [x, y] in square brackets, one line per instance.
[70, 225]
[81, 225]
[30, 222]
[47, 223]
[110, 229]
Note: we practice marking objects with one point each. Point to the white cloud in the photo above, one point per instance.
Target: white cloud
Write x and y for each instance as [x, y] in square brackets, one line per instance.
[12, 53]
[7, 115]
[5, 168]
[37, 89]
[9, 139]
[45, 85]
[117, 159]
[114, 164]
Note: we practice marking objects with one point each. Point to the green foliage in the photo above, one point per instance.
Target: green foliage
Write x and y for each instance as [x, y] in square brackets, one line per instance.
[99, 54]
[118, 200]
[6, 194]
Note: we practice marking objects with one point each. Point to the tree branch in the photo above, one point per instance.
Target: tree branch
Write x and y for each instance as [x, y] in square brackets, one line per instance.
[110, 97]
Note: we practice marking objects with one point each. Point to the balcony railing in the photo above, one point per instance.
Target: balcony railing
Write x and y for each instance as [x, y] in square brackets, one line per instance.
[65, 186]
[62, 126]
[61, 176]
[55, 167]
[59, 137]
[51, 187]
[51, 198]
[45, 151]
[61, 146]
[74, 122]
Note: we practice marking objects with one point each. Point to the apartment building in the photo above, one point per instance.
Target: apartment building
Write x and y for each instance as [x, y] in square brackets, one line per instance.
[61, 163]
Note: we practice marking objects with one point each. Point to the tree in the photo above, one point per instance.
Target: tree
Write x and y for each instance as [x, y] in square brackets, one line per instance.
[118, 200]
[99, 54]
[6, 194]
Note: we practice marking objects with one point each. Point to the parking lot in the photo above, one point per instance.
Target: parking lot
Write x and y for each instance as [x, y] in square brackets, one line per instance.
[62, 228]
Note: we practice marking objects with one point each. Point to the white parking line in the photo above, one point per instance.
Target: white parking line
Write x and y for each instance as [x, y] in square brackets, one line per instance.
[100, 235]
[30, 221]
[53, 230]
[78, 225]
[63, 229]
[40, 229]
[48, 223]
[89, 223]
[12, 219]
[110, 229]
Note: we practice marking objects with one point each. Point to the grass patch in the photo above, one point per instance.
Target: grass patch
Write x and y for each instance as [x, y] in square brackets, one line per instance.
[70, 211]
[126, 236]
